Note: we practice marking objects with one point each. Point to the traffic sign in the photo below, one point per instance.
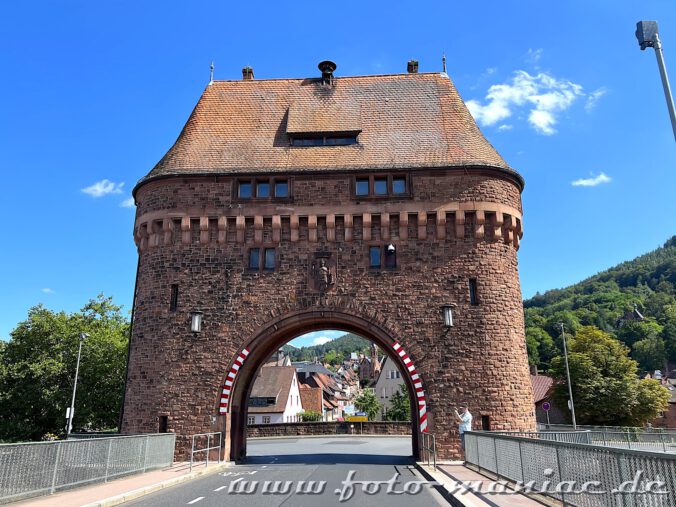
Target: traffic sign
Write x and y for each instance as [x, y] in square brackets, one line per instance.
[546, 406]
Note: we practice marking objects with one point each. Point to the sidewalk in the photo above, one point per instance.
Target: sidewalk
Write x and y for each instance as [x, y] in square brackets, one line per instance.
[454, 475]
[106, 494]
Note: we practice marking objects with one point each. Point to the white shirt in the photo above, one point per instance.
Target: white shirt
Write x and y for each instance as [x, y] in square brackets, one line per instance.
[466, 424]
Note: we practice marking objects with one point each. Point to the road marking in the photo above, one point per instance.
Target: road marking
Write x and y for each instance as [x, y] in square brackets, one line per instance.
[219, 489]
[196, 500]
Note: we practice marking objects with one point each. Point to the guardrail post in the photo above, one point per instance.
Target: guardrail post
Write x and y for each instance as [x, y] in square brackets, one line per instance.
[208, 448]
[495, 453]
[623, 500]
[523, 473]
[664, 444]
[192, 451]
[110, 445]
[628, 439]
[56, 467]
[558, 464]
[145, 454]
[434, 450]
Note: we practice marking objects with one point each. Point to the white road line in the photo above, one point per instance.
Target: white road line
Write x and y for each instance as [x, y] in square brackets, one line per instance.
[196, 500]
[219, 489]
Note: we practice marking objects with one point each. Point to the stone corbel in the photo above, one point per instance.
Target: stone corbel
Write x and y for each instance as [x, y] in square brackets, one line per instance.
[222, 229]
[460, 224]
[441, 224]
[294, 228]
[403, 225]
[154, 234]
[518, 233]
[497, 221]
[142, 236]
[422, 225]
[385, 226]
[204, 230]
[348, 227]
[240, 226]
[366, 226]
[331, 227]
[480, 220]
[186, 233]
[168, 229]
[312, 228]
[258, 228]
[276, 228]
[510, 225]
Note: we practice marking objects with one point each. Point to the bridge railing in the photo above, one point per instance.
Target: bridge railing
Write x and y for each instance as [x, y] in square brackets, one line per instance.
[428, 449]
[576, 474]
[42, 468]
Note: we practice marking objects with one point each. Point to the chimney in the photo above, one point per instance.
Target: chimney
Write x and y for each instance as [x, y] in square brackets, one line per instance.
[327, 67]
[533, 369]
[247, 73]
[412, 67]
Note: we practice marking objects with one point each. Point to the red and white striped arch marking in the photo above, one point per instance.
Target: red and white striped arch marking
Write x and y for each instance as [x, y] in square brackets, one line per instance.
[227, 387]
[417, 383]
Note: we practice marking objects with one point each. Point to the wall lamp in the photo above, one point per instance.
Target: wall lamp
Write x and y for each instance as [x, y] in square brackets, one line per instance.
[196, 322]
[447, 312]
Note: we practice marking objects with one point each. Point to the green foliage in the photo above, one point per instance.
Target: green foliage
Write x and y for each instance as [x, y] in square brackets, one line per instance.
[368, 403]
[606, 388]
[309, 416]
[333, 358]
[647, 282]
[342, 346]
[37, 368]
[400, 406]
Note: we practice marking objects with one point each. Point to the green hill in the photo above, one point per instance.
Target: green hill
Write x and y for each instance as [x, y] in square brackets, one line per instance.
[342, 345]
[609, 301]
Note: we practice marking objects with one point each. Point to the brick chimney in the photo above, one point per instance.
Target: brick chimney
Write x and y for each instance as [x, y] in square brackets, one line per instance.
[412, 67]
[247, 73]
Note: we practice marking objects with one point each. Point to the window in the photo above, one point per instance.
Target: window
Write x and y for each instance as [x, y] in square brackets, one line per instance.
[398, 185]
[390, 257]
[473, 294]
[374, 257]
[383, 256]
[270, 259]
[486, 422]
[263, 189]
[254, 258]
[266, 419]
[173, 300]
[380, 186]
[281, 189]
[324, 140]
[244, 190]
[163, 424]
[362, 187]
[251, 419]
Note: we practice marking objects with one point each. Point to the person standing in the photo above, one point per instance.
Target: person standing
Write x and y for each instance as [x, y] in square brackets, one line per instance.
[465, 423]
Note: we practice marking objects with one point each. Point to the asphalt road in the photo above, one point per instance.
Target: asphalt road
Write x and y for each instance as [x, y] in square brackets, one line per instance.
[329, 462]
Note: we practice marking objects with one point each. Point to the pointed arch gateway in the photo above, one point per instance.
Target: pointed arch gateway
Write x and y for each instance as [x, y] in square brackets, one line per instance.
[240, 376]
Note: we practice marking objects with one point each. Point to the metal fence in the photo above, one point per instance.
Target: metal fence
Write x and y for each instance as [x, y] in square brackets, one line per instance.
[577, 474]
[647, 441]
[42, 468]
[202, 444]
[428, 449]
[571, 437]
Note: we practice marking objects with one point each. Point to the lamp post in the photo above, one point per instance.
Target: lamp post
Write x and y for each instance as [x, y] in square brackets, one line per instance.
[77, 371]
[570, 386]
[447, 314]
[648, 37]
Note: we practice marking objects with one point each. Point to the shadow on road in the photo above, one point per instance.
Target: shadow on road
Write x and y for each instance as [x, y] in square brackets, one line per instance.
[327, 459]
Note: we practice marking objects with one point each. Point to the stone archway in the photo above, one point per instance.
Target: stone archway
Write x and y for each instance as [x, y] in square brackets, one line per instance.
[238, 382]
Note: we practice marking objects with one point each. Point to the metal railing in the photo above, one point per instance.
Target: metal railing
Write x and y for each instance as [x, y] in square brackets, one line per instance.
[645, 441]
[199, 440]
[576, 474]
[571, 437]
[428, 449]
[42, 468]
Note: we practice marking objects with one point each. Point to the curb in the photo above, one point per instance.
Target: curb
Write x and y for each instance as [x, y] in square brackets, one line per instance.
[341, 435]
[146, 490]
[441, 489]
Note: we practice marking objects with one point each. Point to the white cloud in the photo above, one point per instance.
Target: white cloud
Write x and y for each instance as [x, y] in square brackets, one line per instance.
[534, 55]
[127, 203]
[103, 187]
[504, 127]
[47, 290]
[593, 181]
[543, 95]
[321, 340]
[593, 98]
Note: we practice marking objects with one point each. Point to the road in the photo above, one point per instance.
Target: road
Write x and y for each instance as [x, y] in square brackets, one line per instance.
[330, 462]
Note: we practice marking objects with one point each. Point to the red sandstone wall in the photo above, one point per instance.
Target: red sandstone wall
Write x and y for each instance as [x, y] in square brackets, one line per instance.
[329, 428]
[481, 360]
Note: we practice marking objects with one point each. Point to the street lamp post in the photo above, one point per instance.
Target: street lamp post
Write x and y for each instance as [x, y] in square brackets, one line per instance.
[77, 371]
[570, 386]
[648, 37]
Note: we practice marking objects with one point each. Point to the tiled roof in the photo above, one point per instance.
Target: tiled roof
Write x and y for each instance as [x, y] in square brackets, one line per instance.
[541, 385]
[273, 382]
[406, 121]
[311, 398]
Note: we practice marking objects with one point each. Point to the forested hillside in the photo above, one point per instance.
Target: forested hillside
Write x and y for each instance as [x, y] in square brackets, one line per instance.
[634, 301]
[332, 352]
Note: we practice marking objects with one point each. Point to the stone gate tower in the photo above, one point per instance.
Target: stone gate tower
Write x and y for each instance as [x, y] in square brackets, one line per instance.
[364, 203]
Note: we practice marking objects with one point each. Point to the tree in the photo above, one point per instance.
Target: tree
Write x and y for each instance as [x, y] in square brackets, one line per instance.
[606, 388]
[652, 398]
[400, 405]
[649, 353]
[332, 357]
[309, 416]
[37, 367]
[541, 347]
[368, 403]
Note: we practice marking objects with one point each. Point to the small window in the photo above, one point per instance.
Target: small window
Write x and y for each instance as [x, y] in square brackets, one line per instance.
[244, 191]
[266, 419]
[251, 419]
[374, 256]
[486, 422]
[163, 424]
[262, 189]
[281, 189]
[254, 258]
[362, 187]
[380, 186]
[473, 293]
[173, 301]
[390, 257]
[398, 185]
[270, 259]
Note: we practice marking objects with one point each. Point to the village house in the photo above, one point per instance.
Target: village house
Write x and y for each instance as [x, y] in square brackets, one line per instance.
[275, 396]
[369, 367]
[389, 380]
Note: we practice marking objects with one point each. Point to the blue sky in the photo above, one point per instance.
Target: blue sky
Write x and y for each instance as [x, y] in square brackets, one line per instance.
[94, 93]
